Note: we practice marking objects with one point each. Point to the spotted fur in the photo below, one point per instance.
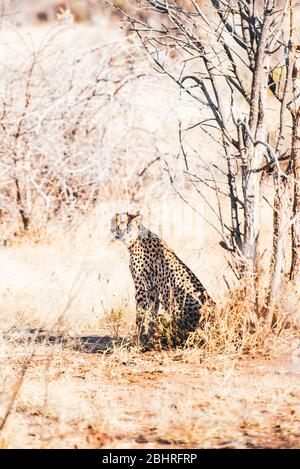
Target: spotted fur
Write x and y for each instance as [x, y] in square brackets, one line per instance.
[161, 279]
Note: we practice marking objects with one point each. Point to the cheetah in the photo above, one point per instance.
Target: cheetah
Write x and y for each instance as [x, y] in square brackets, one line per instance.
[160, 279]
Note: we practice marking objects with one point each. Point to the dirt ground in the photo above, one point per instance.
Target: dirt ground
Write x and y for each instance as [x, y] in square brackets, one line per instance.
[85, 397]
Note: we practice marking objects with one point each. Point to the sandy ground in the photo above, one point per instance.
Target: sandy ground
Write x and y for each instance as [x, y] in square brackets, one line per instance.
[124, 399]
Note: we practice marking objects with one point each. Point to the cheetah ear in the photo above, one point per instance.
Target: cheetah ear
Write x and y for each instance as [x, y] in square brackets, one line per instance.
[134, 215]
[137, 218]
[138, 214]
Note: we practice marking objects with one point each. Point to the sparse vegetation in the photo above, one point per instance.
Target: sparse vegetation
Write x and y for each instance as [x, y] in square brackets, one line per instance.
[89, 128]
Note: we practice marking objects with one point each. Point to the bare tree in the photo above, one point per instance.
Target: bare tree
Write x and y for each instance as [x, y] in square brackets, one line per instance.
[232, 58]
[60, 113]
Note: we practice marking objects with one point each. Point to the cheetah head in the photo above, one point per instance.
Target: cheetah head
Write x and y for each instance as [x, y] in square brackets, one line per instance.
[126, 227]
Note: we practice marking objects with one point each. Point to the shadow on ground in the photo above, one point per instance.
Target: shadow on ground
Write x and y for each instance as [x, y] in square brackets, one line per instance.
[86, 343]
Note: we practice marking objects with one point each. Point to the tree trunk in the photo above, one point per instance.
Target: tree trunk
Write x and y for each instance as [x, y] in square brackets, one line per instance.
[252, 209]
[295, 157]
[279, 214]
[254, 153]
[295, 265]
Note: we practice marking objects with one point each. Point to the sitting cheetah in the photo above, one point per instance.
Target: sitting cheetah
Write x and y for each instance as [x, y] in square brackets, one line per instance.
[160, 278]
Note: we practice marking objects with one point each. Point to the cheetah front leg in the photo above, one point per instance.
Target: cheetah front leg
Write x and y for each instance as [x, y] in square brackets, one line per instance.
[147, 305]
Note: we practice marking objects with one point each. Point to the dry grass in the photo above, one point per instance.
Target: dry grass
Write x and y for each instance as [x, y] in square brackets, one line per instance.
[168, 399]
[233, 328]
[238, 389]
[71, 374]
[236, 327]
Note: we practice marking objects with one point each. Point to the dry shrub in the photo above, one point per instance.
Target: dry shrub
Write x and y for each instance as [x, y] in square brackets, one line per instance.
[70, 101]
[234, 328]
[115, 323]
[229, 329]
